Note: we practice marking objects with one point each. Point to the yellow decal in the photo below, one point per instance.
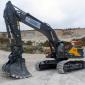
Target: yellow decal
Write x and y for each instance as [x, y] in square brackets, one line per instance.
[74, 51]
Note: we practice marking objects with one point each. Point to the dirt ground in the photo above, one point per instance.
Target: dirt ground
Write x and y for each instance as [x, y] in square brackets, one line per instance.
[49, 77]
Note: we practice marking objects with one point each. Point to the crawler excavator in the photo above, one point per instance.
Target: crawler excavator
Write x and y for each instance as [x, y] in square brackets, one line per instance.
[15, 66]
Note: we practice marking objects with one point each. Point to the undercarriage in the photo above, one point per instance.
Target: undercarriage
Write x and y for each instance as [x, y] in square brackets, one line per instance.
[62, 67]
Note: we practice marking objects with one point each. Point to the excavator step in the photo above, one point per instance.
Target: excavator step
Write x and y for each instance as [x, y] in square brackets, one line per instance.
[67, 66]
[17, 69]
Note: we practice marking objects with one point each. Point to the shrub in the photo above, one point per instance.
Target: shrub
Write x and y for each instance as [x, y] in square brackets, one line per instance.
[29, 43]
[4, 40]
[46, 44]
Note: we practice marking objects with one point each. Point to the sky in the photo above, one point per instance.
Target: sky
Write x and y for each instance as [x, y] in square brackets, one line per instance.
[57, 13]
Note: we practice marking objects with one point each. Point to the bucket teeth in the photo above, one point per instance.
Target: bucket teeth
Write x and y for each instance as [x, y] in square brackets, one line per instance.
[20, 77]
[16, 70]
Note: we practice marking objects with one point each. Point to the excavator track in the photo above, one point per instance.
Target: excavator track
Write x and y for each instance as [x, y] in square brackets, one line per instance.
[62, 67]
[45, 65]
[67, 66]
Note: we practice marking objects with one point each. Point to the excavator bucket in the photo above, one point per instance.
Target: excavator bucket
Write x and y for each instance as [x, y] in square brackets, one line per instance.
[17, 69]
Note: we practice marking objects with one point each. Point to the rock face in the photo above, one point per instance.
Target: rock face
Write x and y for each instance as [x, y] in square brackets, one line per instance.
[63, 34]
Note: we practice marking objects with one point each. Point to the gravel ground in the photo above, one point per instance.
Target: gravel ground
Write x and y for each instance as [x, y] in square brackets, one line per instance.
[50, 77]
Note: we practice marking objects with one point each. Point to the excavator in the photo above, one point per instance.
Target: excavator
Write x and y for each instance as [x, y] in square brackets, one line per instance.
[15, 67]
